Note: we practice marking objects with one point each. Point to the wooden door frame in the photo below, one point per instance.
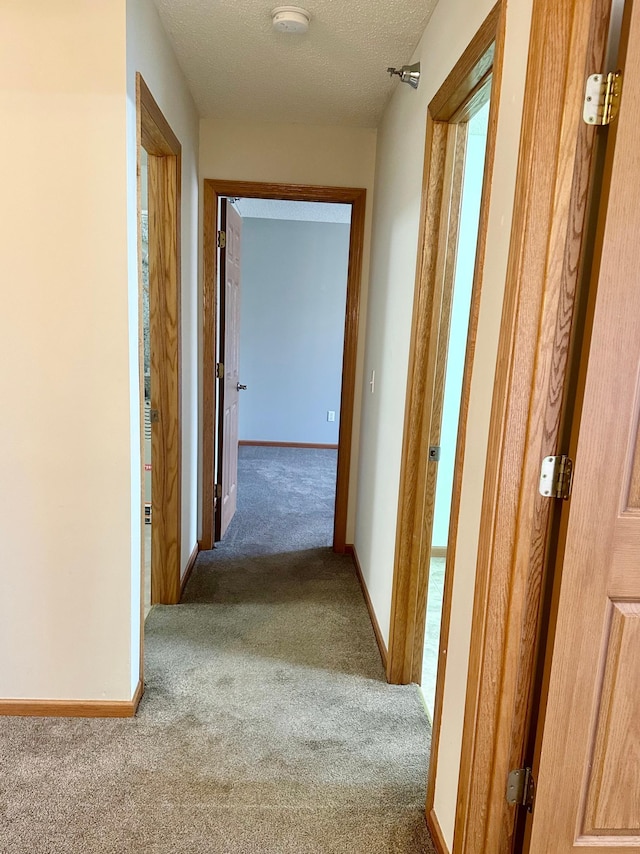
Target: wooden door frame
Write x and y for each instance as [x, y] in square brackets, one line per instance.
[214, 189]
[567, 43]
[465, 90]
[165, 160]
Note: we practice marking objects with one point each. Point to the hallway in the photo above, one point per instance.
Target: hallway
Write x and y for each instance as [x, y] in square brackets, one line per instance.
[266, 725]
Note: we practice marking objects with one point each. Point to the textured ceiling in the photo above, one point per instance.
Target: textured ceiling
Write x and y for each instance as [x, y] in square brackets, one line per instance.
[279, 209]
[239, 67]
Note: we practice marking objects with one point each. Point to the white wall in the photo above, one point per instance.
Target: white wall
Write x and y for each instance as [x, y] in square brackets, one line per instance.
[399, 166]
[70, 451]
[294, 287]
[336, 156]
[65, 500]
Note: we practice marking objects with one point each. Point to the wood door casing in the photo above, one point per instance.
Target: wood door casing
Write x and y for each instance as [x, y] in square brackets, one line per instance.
[423, 419]
[552, 190]
[230, 357]
[588, 778]
[214, 190]
[164, 173]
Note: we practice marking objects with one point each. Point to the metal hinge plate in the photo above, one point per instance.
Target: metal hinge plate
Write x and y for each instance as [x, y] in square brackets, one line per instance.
[602, 98]
[521, 788]
[218, 490]
[434, 453]
[556, 477]
[222, 239]
[220, 370]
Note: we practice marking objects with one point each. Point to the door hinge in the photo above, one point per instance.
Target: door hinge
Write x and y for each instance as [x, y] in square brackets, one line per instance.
[556, 477]
[218, 490]
[521, 788]
[222, 239]
[434, 453]
[220, 371]
[602, 98]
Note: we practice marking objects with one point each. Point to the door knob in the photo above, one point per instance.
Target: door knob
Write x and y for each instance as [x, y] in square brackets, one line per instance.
[240, 387]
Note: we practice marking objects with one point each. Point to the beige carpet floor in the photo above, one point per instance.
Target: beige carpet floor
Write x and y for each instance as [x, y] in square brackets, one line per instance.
[266, 725]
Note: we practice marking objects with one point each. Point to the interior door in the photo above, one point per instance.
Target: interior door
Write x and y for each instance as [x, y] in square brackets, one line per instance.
[231, 223]
[588, 779]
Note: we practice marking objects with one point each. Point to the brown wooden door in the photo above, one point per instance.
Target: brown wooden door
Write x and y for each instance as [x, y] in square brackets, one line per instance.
[231, 222]
[588, 779]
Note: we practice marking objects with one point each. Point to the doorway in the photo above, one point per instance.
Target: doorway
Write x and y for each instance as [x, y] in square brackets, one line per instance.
[214, 192]
[282, 286]
[452, 357]
[159, 176]
[460, 140]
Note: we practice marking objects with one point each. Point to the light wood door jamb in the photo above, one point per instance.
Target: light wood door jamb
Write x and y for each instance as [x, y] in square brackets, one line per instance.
[165, 153]
[552, 190]
[213, 191]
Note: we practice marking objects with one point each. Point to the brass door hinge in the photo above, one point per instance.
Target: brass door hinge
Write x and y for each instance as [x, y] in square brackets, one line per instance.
[521, 788]
[222, 239]
[220, 371]
[556, 477]
[602, 98]
[218, 490]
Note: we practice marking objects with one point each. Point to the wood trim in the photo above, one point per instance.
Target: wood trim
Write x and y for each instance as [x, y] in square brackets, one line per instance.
[546, 243]
[438, 352]
[156, 137]
[461, 441]
[209, 379]
[189, 568]
[290, 192]
[356, 197]
[74, 708]
[349, 360]
[260, 444]
[416, 426]
[469, 72]
[165, 186]
[439, 211]
[351, 550]
[477, 99]
[437, 837]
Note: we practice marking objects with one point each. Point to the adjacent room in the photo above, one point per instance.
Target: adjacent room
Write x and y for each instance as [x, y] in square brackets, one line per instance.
[287, 339]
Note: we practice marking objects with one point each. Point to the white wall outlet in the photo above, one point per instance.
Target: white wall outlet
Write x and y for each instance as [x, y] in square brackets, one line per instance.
[331, 415]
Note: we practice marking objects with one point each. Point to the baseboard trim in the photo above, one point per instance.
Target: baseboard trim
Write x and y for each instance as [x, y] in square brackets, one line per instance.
[351, 550]
[73, 708]
[190, 564]
[257, 444]
[439, 551]
[436, 833]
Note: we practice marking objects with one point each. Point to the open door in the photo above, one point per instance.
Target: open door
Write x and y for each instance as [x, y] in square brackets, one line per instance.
[588, 770]
[227, 492]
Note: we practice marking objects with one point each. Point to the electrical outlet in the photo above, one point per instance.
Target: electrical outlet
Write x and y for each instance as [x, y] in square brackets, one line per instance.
[331, 415]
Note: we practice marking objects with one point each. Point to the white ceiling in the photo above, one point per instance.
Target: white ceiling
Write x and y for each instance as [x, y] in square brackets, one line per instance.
[238, 67]
[303, 211]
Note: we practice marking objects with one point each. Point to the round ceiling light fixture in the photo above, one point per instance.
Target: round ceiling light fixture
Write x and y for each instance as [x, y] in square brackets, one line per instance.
[290, 19]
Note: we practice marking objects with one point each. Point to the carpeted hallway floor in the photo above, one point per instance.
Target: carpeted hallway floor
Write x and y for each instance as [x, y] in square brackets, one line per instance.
[266, 725]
